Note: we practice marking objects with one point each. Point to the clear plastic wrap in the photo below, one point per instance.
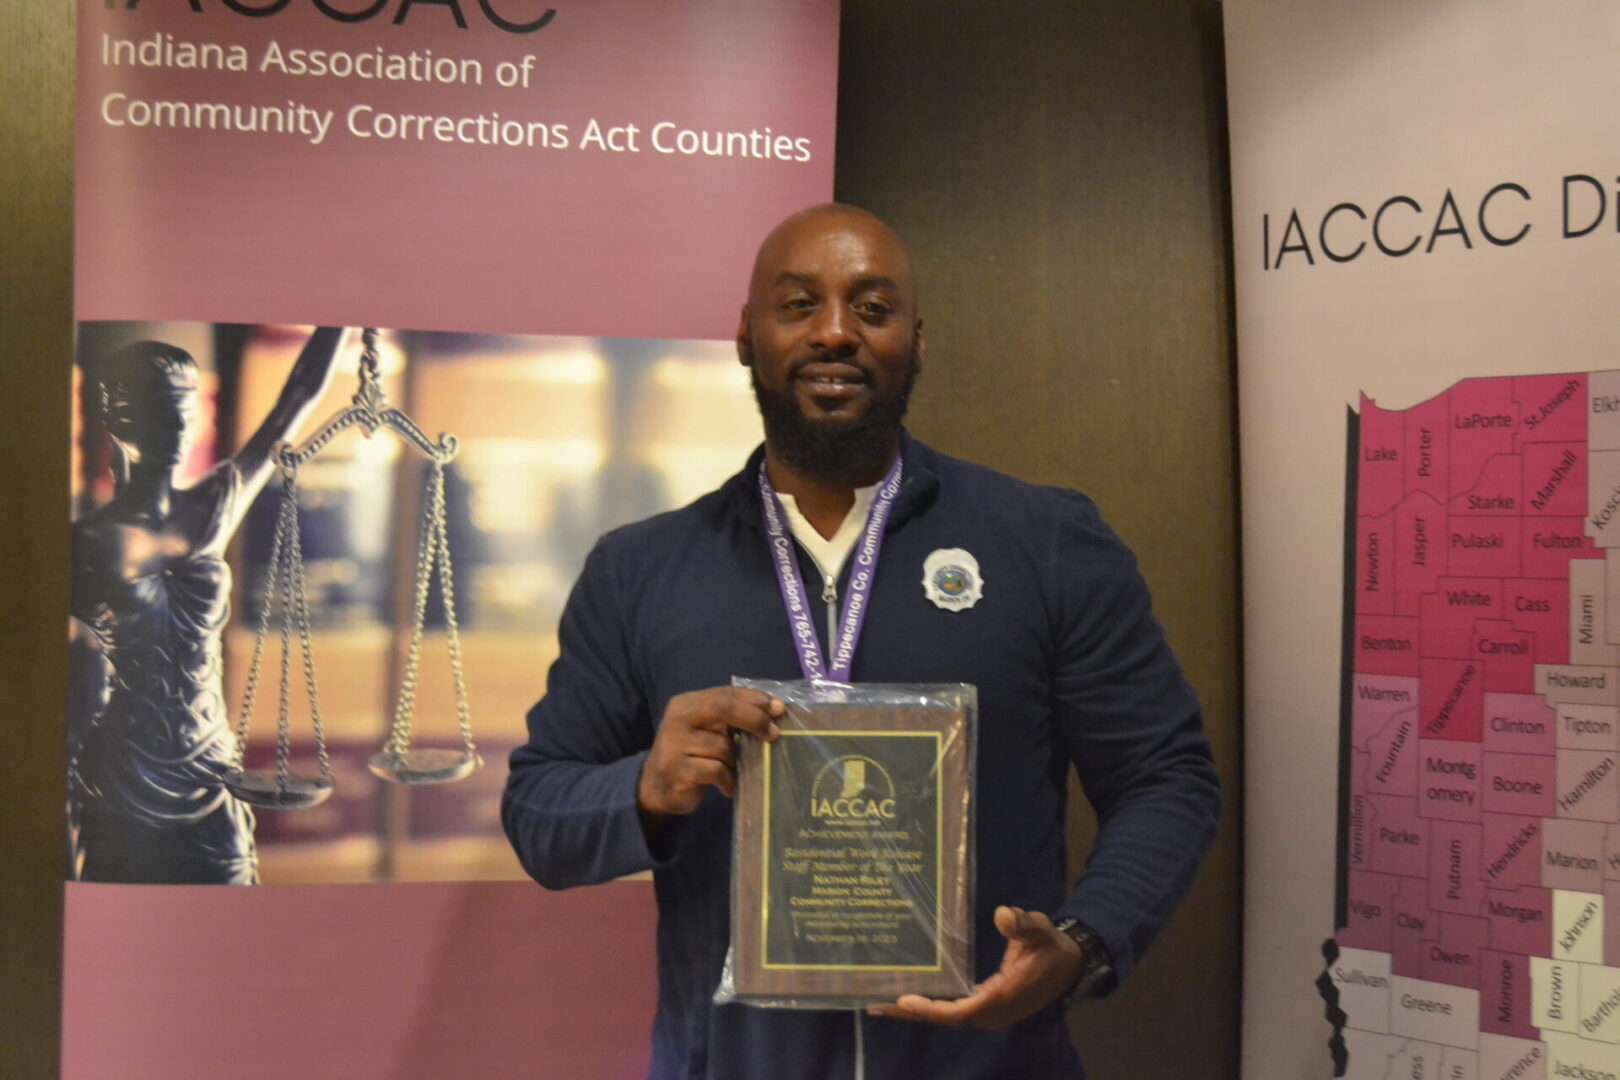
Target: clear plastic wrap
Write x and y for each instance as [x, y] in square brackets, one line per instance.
[852, 851]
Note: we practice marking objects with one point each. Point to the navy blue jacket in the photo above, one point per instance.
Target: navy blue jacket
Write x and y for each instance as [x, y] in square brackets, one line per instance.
[1071, 669]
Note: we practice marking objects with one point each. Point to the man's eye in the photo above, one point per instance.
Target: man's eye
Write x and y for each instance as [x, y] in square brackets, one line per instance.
[873, 309]
[798, 303]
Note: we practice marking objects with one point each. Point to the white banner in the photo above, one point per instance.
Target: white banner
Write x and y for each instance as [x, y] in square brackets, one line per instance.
[1426, 201]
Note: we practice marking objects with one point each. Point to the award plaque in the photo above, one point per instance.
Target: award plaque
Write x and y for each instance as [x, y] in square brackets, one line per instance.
[851, 873]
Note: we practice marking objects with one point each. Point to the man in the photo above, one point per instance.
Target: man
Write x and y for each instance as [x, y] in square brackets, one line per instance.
[630, 758]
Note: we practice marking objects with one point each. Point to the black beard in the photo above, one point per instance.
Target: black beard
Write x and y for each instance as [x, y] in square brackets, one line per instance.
[849, 454]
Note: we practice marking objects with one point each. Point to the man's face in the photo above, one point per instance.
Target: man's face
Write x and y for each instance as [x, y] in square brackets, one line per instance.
[832, 337]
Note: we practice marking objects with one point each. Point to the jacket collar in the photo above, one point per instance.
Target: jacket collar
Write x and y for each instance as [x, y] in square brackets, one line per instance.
[919, 483]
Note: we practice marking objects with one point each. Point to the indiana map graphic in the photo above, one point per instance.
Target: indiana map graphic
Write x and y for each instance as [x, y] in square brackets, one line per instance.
[1479, 849]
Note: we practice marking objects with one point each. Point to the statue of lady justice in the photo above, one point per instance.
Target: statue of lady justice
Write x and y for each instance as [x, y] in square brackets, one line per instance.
[146, 770]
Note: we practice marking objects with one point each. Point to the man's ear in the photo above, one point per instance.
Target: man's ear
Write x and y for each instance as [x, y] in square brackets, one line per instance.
[922, 345]
[745, 350]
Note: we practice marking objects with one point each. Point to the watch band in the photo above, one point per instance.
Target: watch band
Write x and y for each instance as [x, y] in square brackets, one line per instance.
[1096, 969]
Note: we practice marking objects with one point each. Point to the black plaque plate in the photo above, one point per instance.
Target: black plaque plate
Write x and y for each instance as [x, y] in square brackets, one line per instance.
[851, 881]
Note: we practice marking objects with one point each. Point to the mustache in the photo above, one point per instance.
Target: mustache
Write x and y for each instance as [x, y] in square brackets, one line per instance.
[796, 368]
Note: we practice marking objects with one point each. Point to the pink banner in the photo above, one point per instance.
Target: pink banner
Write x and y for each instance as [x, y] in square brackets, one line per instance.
[549, 214]
[607, 173]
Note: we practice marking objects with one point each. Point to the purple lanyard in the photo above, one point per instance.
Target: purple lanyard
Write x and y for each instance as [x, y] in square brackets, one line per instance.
[797, 600]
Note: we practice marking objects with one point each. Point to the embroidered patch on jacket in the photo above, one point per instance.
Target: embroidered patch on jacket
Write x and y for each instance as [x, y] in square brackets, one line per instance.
[951, 579]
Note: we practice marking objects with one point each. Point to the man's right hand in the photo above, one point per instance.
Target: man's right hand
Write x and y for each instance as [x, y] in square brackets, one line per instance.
[693, 748]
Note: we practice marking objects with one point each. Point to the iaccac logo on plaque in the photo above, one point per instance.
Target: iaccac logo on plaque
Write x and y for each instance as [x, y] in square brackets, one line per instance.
[852, 786]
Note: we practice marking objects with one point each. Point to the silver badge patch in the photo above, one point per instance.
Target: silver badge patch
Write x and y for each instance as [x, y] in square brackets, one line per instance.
[951, 579]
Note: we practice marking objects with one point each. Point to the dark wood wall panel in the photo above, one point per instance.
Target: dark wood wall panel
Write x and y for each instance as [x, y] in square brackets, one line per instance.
[36, 84]
[1059, 172]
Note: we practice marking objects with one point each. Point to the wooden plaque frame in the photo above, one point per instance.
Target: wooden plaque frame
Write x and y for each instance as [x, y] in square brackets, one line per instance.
[939, 912]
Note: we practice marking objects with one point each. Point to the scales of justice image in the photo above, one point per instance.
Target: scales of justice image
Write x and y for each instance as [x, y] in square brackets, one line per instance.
[159, 788]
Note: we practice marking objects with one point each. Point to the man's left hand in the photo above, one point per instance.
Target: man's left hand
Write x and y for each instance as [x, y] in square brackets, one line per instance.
[1040, 965]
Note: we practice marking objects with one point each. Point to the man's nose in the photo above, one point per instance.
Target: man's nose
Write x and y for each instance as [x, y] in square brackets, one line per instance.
[835, 329]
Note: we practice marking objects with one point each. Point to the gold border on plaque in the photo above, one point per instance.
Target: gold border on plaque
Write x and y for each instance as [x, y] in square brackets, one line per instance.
[939, 856]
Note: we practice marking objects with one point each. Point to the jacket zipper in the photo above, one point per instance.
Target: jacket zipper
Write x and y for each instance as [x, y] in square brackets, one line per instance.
[829, 596]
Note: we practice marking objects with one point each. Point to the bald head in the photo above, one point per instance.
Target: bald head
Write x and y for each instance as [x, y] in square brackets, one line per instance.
[831, 227]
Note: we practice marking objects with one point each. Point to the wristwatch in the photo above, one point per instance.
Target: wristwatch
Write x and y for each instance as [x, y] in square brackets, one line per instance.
[1096, 970]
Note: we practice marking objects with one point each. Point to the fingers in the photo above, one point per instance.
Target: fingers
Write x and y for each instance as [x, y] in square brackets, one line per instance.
[704, 743]
[693, 747]
[971, 1010]
[674, 783]
[738, 708]
[706, 772]
[1028, 927]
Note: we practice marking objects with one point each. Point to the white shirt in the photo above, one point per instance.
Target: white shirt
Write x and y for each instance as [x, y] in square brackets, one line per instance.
[829, 555]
